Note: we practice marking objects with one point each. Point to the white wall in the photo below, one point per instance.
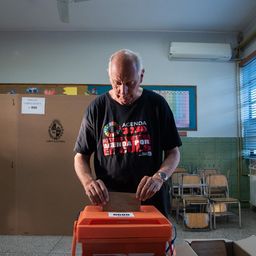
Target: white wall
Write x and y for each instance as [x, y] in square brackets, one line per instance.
[82, 57]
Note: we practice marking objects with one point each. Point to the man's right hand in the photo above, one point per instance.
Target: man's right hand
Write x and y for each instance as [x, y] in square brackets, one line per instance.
[97, 192]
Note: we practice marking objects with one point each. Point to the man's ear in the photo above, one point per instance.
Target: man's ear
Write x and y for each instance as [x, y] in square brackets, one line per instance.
[142, 75]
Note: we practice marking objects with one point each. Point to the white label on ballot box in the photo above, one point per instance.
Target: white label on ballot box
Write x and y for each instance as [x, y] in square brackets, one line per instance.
[121, 214]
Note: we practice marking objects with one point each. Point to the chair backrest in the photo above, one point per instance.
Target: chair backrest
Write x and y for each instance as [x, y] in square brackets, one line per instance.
[191, 184]
[205, 172]
[176, 180]
[180, 169]
[191, 179]
[217, 185]
[177, 174]
[210, 172]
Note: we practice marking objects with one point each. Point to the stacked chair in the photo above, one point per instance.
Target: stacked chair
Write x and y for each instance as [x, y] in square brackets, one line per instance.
[175, 193]
[217, 191]
[206, 172]
[196, 214]
[201, 197]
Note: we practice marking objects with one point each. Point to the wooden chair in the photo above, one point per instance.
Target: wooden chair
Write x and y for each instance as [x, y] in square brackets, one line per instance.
[195, 204]
[218, 193]
[205, 172]
[175, 189]
[176, 181]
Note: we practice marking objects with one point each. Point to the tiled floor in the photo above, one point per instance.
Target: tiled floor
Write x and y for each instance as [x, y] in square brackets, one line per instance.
[61, 245]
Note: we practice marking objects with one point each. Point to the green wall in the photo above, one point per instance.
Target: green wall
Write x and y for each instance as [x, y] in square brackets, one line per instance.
[217, 153]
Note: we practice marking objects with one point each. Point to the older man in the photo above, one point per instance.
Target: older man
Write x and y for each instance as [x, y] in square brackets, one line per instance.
[128, 129]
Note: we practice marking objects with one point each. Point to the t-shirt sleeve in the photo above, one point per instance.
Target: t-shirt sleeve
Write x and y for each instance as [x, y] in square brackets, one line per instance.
[170, 136]
[85, 143]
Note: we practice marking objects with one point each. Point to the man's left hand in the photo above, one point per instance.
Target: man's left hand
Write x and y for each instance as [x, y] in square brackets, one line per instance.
[147, 187]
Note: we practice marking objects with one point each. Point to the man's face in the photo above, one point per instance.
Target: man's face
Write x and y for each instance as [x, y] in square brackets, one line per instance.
[125, 80]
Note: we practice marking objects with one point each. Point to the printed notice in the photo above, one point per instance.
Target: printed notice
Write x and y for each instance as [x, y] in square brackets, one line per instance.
[34, 106]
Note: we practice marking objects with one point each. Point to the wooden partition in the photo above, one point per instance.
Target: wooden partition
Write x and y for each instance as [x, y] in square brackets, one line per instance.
[8, 151]
[39, 190]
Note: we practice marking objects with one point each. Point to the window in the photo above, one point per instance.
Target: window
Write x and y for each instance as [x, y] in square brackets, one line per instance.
[248, 107]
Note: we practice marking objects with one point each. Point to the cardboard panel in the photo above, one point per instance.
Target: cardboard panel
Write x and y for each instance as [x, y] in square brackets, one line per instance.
[184, 250]
[8, 140]
[245, 247]
[207, 247]
[49, 195]
[210, 247]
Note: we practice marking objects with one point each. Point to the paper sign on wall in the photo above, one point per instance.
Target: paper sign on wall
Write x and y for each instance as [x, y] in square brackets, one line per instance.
[70, 90]
[35, 105]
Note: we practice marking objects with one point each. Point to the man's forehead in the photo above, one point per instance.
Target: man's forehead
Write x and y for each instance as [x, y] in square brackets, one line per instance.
[122, 78]
[124, 70]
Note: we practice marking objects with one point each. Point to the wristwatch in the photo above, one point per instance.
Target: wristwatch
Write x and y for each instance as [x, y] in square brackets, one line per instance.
[162, 176]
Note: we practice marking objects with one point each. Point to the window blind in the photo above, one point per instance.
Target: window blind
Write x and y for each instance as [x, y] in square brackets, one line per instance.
[248, 108]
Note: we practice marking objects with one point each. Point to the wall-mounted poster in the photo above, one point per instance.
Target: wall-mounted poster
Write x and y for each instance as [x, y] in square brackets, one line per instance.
[181, 99]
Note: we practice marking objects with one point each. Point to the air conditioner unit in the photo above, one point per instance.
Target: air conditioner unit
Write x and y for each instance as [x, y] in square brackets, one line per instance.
[200, 51]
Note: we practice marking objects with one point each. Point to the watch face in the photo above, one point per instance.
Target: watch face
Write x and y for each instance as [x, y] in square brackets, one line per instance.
[163, 176]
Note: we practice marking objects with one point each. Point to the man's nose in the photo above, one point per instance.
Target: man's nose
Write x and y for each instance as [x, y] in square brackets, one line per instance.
[123, 89]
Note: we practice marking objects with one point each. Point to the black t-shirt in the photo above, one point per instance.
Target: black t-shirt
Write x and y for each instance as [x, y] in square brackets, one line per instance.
[128, 141]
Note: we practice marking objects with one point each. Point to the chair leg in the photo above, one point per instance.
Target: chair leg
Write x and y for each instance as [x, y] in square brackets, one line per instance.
[214, 216]
[184, 213]
[239, 214]
[210, 216]
[177, 213]
[177, 209]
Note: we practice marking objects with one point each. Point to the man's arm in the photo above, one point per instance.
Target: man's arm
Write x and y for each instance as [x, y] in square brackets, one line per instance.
[171, 161]
[149, 185]
[94, 189]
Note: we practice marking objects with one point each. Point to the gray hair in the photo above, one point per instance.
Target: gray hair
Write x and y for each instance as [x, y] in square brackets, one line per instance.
[135, 56]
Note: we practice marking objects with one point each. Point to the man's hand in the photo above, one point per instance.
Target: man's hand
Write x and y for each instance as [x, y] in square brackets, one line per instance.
[97, 192]
[148, 187]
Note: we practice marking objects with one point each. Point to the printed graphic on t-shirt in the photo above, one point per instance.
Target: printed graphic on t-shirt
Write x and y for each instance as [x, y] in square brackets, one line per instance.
[130, 137]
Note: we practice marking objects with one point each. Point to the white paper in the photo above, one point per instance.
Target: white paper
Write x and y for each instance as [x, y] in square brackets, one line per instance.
[35, 105]
[121, 214]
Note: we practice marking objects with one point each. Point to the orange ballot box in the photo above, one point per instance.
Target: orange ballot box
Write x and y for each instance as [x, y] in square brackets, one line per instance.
[145, 232]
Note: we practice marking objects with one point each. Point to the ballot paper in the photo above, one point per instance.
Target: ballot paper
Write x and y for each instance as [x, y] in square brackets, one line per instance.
[122, 202]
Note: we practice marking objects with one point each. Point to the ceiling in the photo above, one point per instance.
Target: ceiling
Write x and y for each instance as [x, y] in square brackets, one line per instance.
[129, 15]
